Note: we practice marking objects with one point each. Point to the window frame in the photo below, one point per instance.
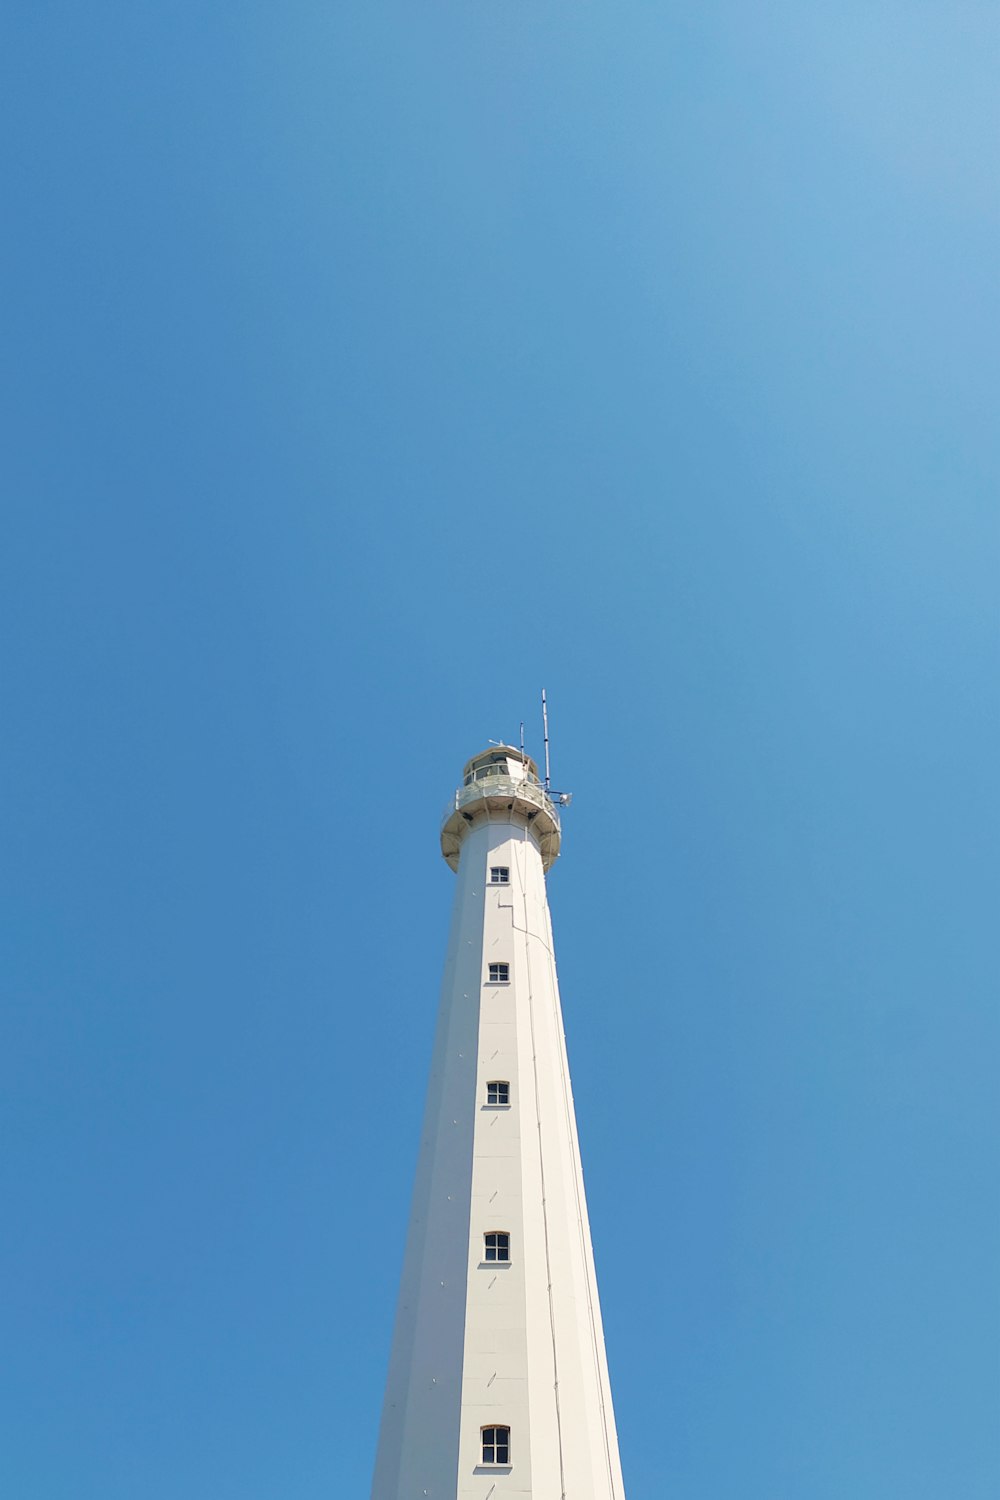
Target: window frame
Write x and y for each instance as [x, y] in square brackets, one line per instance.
[498, 1084]
[502, 974]
[495, 1429]
[496, 1259]
[499, 874]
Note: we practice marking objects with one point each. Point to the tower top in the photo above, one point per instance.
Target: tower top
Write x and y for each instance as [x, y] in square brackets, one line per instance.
[503, 760]
[501, 784]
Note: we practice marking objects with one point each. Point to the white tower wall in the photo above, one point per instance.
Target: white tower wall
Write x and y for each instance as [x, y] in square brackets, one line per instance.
[478, 1343]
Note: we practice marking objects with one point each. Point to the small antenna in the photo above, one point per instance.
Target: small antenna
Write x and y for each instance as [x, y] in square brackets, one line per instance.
[545, 731]
[522, 739]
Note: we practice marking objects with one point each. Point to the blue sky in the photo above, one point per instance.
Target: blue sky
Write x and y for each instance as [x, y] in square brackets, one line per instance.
[367, 367]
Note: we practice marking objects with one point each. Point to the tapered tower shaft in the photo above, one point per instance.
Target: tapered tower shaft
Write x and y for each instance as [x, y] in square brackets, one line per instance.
[498, 1383]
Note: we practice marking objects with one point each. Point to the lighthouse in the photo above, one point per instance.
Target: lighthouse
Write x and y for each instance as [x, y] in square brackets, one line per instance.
[498, 1379]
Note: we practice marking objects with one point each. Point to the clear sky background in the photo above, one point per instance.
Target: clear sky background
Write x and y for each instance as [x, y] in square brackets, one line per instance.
[365, 368]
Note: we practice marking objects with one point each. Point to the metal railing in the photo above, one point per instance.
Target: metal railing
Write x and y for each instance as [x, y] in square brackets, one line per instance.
[503, 786]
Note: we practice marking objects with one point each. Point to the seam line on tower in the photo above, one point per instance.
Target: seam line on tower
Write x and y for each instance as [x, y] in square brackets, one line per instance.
[577, 1175]
[541, 1167]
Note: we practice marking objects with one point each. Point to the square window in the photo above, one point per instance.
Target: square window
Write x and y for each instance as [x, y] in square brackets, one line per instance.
[497, 1247]
[498, 1093]
[499, 875]
[499, 973]
[496, 1445]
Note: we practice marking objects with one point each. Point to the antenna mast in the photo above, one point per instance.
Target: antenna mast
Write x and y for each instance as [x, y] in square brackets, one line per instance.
[545, 731]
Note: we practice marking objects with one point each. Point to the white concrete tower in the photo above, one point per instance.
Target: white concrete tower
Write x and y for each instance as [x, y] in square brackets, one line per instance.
[498, 1380]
